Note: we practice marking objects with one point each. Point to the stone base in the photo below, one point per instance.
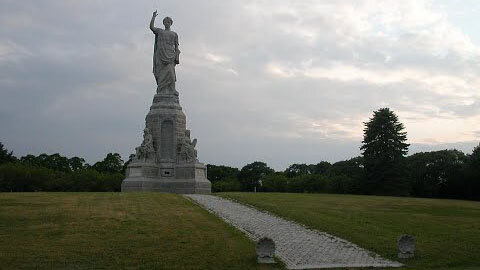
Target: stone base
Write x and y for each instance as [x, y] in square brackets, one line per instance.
[168, 178]
[179, 186]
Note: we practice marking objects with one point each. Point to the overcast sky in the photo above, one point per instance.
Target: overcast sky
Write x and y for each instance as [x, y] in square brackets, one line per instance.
[276, 81]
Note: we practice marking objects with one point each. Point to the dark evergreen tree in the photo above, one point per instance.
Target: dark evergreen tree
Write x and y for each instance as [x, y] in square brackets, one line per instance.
[384, 149]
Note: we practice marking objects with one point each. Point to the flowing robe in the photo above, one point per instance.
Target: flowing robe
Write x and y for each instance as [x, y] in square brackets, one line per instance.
[165, 57]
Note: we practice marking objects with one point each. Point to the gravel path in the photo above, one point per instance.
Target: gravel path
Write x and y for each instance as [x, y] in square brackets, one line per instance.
[297, 246]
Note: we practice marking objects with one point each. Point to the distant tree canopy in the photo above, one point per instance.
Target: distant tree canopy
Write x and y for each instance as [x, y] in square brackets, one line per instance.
[223, 178]
[436, 174]
[298, 169]
[221, 173]
[112, 163]
[321, 168]
[58, 173]
[252, 174]
[473, 174]
[55, 162]
[384, 149]
[352, 167]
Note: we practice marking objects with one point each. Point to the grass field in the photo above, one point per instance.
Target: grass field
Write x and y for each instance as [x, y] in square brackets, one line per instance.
[116, 231]
[447, 231]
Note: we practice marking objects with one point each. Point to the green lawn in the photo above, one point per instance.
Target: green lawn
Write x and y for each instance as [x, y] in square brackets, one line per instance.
[116, 231]
[447, 231]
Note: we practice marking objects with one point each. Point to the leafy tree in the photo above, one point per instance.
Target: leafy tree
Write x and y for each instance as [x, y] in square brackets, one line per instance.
[297, 170]
[6, 156]
[76, 163]
[353, 167]
[29, 159]
[112, 163]
[437, 174]
[473, 174]
[475, 158]
[275, 182]
[251, 175]
[384, 149]
[321, 167]
[220, 173]
[55, 162]
[18, 177]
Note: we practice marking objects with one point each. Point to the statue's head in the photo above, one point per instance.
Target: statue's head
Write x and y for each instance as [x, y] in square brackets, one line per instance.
[167, 21]
[146, 131]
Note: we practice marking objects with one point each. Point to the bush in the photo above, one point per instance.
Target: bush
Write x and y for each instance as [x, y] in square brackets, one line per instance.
[310, 183]
[342, 184]
[229, 184]
[17, 177]
[276, 182]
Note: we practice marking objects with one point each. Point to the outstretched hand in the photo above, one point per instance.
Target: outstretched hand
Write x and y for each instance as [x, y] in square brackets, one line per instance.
[155, 13]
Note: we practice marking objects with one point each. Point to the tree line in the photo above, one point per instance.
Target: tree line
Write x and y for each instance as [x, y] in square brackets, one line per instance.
[383, 169]
[58, 173]
[437, 174]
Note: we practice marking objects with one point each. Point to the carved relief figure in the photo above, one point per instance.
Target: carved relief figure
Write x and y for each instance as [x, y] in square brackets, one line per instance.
[146, 151]
[165, 56]
[186, 149]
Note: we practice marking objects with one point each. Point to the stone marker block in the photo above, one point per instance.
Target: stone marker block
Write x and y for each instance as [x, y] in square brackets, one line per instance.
[265, 250]
[406, 246]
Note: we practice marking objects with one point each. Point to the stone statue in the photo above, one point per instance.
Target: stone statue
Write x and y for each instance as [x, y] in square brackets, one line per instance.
[166, 161]
[146, 151]
[186, 149]
[165, 56]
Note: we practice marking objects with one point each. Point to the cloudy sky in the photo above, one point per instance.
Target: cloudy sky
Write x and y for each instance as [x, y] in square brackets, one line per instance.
[277, 81]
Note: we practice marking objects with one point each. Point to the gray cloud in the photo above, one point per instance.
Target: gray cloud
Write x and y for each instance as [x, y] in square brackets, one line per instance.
[279, 81]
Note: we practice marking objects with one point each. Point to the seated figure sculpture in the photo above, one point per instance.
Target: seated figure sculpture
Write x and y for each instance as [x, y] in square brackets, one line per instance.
[146, 152]
[186, 149]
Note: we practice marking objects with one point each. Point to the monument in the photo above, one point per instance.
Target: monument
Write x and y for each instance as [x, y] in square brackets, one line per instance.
[166, 160]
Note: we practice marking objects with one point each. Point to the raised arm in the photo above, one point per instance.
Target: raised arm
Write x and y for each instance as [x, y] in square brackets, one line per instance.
[152, 22]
